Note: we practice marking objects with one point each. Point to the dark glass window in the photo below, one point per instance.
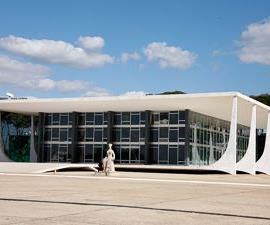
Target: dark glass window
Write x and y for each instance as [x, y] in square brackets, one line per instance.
[173, 135]
[81, 119]
[124, 153]
[163, 132]
[125, 132]
[135, 119]
[134, 135]
[142, 153]
[89, 152]
[69, 134]
[98, 135]
[105, 119]
[98, 119]
[154, 135]
[154, 149]
[70, 118]
[142, 117]
[155, 118]
[89, 117]
[69, 152]
[48, 119]
[116, 134]
[164, 118]
[81, 133]
[104, 134]
[63, 134]
[64, 119]
[63, 153]
[56, 118]
[116, 149]
[55, 133]
[98, 153]
[134, 154]
[117, 118]
[163, 152]
[125, 118]
[54, 152]
[47, 150]
[89, 133]
[142, 132]
[173, 118]
[182, 132]
[47, 135]
[182, 115]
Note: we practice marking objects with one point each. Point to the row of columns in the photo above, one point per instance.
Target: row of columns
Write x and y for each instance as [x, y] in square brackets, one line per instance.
[248, 164]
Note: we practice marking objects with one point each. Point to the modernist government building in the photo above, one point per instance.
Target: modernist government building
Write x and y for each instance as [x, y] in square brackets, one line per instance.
[217, 131]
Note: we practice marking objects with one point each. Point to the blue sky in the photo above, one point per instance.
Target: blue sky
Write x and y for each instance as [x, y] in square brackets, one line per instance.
[192, 46]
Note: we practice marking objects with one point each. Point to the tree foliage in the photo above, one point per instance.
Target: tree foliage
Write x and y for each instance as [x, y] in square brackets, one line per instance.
[263, 98]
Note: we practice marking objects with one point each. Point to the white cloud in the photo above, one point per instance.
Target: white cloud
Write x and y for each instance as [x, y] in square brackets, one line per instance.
[135, 93]
[125, 57]
[169, 56]
[91, 43]
[58, 52]
[96, 92]
[255, 43]
[37, 77]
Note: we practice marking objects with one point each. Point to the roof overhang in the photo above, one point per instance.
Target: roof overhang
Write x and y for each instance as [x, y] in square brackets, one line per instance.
[218, 105]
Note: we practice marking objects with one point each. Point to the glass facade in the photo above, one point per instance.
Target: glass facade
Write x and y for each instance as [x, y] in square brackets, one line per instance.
[167, 137]
[128, 137]
[170, 142]
[209, 139]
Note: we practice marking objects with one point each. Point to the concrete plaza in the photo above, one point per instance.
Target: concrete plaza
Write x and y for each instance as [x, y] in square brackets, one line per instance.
[133, 198]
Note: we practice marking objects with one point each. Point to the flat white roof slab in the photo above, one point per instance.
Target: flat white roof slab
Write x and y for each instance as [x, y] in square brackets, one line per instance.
[213, 104]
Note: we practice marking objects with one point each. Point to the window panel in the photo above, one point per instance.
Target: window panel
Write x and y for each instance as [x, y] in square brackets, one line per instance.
[98, 135]
[63, 134]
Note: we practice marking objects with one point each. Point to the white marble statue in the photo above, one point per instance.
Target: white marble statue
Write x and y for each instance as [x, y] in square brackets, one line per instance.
[108, 161]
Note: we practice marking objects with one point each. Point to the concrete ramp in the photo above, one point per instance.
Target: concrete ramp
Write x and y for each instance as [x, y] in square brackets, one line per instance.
[17, 167]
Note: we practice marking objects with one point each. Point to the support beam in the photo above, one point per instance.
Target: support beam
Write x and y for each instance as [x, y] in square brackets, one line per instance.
[263, 164]
[75, 154]
[227, 162]
[247, 163]
[33, 154]
[110, 127]
[148, 152]
[40, 154]
[187, 134]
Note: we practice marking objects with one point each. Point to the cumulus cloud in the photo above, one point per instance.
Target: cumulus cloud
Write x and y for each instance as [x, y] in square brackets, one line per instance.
[96, 92]
[91, 43]
[37, 77]
[59, 52]
[125, 57]
[169, 56]
[255, 43]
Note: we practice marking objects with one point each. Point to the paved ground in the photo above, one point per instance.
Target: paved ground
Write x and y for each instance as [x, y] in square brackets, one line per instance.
[134, 198]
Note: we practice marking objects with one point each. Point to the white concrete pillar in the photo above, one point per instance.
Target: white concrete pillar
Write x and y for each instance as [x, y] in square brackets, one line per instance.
[3, 156]
[263, 164]
[33, 155]
[247, 163]
[227, 162]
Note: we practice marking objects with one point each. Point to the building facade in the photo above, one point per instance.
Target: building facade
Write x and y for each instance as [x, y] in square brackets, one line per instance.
[188, 130]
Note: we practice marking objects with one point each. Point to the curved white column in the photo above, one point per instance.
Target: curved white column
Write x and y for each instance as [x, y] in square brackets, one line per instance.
[3, 156]
[33, 155]
[247, 163]
[227, 162]
[263, 164]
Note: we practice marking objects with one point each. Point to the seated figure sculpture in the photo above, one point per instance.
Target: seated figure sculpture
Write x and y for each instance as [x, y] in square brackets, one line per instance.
[108, 161]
